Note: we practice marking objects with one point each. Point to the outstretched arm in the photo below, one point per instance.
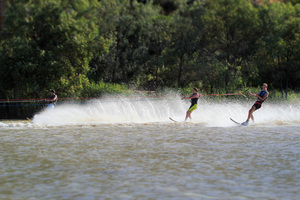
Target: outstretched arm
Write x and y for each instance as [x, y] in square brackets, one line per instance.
[264, 97]
[51, 99]
[250, 94]
[191, 97]
[257, 95]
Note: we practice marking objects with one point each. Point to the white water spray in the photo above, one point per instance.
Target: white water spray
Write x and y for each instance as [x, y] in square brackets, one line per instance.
[143, 110]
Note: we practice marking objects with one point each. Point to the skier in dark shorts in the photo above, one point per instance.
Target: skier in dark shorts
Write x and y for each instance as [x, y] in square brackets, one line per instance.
[194, 99]
[52, 99]
[261, 97]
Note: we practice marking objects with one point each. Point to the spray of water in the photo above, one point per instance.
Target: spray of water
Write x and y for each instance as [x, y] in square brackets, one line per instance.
[153, 110]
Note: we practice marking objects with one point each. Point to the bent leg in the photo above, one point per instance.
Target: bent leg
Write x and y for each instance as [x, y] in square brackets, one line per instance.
[250, 114]
[190, 110]
[188, 115]
[50, 106]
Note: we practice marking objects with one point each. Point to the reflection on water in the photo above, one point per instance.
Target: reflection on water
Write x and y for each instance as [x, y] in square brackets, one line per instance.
[77, 156]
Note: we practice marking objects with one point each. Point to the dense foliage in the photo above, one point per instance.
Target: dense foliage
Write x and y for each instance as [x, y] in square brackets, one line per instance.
[77, 46]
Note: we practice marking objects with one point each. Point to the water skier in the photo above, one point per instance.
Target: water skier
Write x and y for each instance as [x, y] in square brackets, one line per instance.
[194, 99]
[261, 97]
[52, 99]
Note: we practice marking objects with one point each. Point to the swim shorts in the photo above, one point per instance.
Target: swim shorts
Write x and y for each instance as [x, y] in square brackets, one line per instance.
[192, 108]
[257, 105]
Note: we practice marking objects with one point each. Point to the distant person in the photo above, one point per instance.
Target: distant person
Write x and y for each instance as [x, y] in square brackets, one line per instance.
[194, 99]
[52, 99]
[261, 97]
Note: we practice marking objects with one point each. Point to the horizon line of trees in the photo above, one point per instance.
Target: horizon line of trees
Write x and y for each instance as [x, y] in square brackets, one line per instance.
[75, 45]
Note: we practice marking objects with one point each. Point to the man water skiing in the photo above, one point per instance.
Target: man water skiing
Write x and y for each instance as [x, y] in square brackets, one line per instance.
[52, 99]
[261, 97]
[194, 99]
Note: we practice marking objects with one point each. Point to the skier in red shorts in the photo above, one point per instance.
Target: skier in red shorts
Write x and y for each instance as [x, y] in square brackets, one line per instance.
[261, 97]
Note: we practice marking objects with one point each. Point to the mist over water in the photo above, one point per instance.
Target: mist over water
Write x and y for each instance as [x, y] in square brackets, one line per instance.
[150, 110]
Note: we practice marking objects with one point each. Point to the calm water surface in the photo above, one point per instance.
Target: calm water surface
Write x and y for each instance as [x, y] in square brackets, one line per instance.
[148, 161]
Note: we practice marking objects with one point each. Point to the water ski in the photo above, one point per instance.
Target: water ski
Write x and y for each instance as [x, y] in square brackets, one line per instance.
[172, 119]
[28, 119]
[242, 124]
[183, 122]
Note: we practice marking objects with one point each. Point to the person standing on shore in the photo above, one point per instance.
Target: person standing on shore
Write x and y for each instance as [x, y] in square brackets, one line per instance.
[261, 97]
[194, 99]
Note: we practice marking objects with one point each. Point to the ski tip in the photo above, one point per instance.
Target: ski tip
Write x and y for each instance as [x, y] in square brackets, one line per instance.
[172, 119]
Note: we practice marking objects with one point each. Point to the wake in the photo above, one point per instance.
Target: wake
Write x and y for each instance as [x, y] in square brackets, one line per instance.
[143, 110]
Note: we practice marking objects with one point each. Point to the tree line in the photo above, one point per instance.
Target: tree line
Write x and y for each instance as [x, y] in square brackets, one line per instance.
[87, 47]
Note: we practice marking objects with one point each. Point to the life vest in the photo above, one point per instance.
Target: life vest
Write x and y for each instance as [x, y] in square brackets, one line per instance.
[194, 100]
[52, 97]
[261, 94]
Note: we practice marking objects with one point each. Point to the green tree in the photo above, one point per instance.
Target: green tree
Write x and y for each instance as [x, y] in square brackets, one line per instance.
[232, 32]
[128, 24]
[186, 33]
[278, 55]
[45, 45]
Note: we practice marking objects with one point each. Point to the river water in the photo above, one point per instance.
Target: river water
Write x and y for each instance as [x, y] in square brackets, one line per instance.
[129, 149]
